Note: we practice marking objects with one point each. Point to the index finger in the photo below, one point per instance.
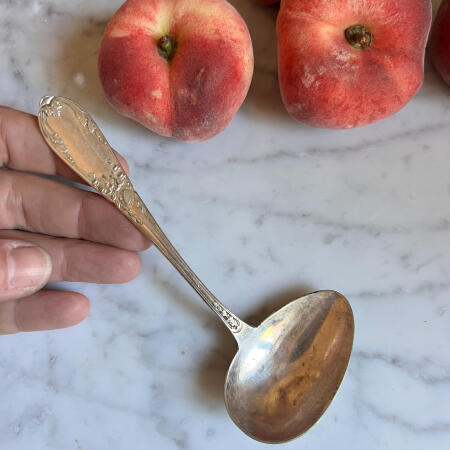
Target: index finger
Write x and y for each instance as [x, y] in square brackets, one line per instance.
[23, 148]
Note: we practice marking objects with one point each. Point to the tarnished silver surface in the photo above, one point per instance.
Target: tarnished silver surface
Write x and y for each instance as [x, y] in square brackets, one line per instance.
[286, 371]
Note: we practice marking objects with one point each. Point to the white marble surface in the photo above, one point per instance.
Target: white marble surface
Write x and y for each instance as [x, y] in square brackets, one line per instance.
[265, 212]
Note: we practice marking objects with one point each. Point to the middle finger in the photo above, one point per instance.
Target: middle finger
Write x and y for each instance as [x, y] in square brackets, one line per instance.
[32, 203]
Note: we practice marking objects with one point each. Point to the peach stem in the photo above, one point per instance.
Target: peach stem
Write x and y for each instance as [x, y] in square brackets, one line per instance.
[167, 47]
[359, 37]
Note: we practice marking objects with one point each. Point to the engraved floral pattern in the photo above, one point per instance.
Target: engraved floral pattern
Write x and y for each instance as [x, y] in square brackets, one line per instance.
[232, 321]
[52, 107]
[118, 189]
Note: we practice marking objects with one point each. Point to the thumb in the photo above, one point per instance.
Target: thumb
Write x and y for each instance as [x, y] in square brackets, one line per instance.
[24, 268]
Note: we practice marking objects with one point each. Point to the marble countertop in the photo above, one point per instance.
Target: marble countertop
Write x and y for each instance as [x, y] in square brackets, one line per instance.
[265, 212]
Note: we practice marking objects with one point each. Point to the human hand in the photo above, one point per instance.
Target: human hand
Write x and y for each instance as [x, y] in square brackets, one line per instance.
[50, 231]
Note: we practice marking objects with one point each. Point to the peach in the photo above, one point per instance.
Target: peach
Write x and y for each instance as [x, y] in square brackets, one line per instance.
[181, 68]
[347, 63]
[440, 41]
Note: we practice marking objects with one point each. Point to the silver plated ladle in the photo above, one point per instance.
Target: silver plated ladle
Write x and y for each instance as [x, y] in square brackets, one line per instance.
[288, 369]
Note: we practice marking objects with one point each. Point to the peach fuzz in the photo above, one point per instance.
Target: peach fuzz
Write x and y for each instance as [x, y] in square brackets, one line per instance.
[440, 41]
[348, 63]
[182, 68]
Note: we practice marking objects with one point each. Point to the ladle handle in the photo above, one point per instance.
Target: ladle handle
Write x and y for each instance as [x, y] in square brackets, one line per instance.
[74, 136]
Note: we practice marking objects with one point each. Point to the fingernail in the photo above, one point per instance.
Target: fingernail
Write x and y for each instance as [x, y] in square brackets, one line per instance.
[28, 267]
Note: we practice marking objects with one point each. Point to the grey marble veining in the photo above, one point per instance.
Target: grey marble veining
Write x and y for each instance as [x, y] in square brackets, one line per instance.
[265, 212]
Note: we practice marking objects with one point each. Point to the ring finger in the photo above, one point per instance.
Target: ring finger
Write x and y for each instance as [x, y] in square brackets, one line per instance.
[82, 261]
